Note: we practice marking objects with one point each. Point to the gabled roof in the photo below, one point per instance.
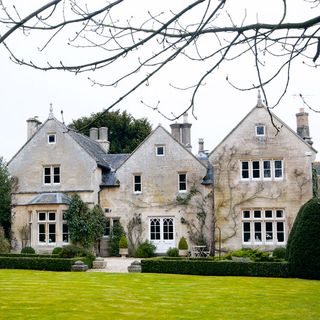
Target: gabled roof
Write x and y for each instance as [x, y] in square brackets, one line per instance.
[259, 106]
[170, 136]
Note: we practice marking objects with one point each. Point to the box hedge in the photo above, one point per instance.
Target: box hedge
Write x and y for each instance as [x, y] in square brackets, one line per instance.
[39, 262]
[215, 268]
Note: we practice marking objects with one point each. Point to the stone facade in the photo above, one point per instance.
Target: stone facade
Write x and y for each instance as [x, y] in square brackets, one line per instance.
[262, 177]
[161, 191]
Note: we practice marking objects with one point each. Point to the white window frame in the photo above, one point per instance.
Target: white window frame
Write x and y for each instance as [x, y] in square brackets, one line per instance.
[257, 128]
[136, 184]
[54, 138]
[159, 147]
[47, 222]
[111, 221]
[253, 220]
[51, 174]
[180, 182]
[262, 169]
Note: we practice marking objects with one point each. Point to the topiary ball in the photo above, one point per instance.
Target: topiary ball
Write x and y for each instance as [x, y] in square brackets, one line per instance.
[303, 249]
[28, 250]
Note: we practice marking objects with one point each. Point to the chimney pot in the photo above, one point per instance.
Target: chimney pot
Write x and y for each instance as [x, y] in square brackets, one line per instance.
[94, 134]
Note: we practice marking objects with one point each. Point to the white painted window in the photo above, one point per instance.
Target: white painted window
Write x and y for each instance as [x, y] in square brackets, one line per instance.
[260, 130]
[263, 227]
[111, 223]
[137, 183]
[162, 233]
[51, 138]
[160, 151]
[51, 175]
[261, 170]
[47, 227]
[182, 182]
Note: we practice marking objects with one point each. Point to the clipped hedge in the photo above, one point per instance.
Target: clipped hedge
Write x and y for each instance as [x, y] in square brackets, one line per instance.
[216, 268]
[17, 255]
[41, 263]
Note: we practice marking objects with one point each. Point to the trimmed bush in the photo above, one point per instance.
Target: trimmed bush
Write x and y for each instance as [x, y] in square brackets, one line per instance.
[303, 248]
[253, 254]
[183, 244]
[173, 252]
[72, 251]
[123, 242]
[215, 268]
[37, 263]
[28, 250]
[56, 250]
[145, 250]
[279, 253]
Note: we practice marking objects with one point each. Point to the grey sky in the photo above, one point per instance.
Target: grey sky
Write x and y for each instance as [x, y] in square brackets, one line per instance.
[26, 92]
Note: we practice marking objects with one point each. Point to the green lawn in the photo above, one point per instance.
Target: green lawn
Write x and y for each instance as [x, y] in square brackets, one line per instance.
[64, 295]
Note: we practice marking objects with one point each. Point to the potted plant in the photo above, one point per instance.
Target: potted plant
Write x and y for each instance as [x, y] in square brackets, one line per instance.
[183, 247]
[123, 246]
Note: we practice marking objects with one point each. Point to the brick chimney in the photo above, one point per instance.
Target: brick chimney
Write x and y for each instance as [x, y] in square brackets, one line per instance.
[303, 126]
[33, 125]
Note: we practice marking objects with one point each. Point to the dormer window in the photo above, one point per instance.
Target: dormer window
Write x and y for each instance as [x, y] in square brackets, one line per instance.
[260, 130]
[51, 138]
[160, 151]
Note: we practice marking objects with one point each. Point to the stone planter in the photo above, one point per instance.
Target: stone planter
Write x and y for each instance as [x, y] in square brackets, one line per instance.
[123, 252]
[183, 253]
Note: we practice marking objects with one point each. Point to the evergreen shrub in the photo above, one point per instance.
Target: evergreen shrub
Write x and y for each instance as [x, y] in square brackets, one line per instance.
[303, 248]
[28, 250]
[173, 252]
[56, 250]
[183, 245]
[145, 250]
[123, 242]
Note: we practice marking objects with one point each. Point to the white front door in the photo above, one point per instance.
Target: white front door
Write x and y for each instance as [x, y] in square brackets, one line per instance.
[161, 233]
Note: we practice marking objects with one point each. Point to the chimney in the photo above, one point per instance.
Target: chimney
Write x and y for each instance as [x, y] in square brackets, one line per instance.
[103, 138]
[186, 132]
[33, 125]
[303, 126]
[201, 143]
[175, 131]
[94, 134]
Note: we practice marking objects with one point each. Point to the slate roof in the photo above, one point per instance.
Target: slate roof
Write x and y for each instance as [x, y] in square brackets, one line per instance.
[116, 160]
[51, 198]
[92, 147]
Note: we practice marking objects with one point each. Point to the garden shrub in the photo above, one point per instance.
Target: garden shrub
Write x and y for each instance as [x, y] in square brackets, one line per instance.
[56, 250]
[123, 242]
[173, 252]
[253, 254]
[145, 250]
[115, 236]
[28, 250]
[183, 245]
[4, 243]
[279, 253]
[72, 251]
[303, 248]
[215, 268]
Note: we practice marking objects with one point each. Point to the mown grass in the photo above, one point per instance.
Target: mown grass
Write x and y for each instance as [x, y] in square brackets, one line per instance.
[28, 294]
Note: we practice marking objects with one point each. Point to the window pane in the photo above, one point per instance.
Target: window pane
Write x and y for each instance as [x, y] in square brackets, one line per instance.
[137, 183]
[168, 229]
[246, 214]
[260, 130]
[41, 216]
[155, 229]
[245, 170]
[182, 182]
[107, 230]
[257, 214]
[52, 216]
[160, 150]
[269, 231]
[279, 214]
[267, 169]
[255, 169]
[257, 232]
[246, 232]
[52, 232]
[51, 138]
[280, 231]
[278, 169]
[268, 213]
[56, 175]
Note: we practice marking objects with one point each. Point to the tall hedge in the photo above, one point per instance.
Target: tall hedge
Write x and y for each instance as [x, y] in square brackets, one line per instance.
[303, 249]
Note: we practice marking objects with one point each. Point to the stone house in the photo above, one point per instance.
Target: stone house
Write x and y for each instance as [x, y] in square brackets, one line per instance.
[153, 199]
[250, 187]
[54, 163]
[262, 177]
